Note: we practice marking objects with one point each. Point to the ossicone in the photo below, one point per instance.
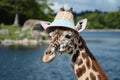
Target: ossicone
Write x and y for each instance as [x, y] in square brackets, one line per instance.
[70, 10]
[62, 9]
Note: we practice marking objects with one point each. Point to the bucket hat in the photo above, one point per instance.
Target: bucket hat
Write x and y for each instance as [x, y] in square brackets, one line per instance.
[65, 19]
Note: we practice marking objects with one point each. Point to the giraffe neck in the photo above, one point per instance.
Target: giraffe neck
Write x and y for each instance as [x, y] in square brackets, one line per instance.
[85, 65]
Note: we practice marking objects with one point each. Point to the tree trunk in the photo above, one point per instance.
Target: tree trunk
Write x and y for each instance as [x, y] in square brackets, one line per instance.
[16, 21]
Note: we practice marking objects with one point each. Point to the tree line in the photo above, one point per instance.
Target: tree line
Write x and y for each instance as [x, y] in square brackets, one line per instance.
[100, 20]
[40, 9]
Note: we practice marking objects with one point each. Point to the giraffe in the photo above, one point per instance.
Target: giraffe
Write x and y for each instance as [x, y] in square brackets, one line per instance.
[67, 40]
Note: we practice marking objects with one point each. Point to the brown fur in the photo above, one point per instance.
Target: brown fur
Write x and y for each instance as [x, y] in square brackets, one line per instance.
[81, 71]
[96, 65]
[94, 68]
[87, 78]
[84, 55]
[88, 63]
[99, 78]
[92, 76]
[80, 62]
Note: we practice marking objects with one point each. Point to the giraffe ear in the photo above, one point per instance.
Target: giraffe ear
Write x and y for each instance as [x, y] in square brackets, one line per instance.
[81, 25]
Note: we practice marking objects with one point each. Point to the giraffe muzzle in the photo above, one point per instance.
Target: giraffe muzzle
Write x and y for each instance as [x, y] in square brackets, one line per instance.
[48, 57]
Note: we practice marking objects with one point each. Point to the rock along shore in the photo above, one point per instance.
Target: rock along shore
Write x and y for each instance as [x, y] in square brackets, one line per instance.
[24, 42]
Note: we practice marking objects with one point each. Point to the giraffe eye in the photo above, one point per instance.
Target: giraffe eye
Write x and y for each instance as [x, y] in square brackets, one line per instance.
[68, 36]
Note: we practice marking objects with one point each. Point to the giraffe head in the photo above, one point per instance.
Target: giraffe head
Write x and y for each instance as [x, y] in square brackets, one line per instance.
[62, 41]
[62, 32]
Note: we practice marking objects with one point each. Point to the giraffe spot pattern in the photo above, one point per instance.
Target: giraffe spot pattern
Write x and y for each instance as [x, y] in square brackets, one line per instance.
[80, 71]
[77, 52]
[75, 46]
[87, 78]
[92, 76]
[71, 52]
[80, 62]
[93, 67]
[88, 63]
[79, 41]
[80, 47]
[84, 55]
[99, 78]
[68, 48]
[74, 58]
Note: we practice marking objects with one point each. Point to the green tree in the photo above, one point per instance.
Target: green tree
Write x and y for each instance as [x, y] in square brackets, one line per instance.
[95, 21]
[112, 20]
[101, 20]
[29, 8]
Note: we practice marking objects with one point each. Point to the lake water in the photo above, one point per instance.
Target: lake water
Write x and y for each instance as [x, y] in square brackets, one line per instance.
[21, 64]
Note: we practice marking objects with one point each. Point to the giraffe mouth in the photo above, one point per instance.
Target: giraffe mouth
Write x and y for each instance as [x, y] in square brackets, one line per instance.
[48, 57]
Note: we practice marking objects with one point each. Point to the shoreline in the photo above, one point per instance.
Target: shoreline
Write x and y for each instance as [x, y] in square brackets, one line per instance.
[100, 30]
[30, 42]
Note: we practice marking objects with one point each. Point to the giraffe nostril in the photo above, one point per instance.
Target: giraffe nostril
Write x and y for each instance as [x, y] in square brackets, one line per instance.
[48, 52]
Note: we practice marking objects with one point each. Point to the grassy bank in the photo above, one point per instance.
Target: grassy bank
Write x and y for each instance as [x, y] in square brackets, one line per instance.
[14, 35]
[12, 29]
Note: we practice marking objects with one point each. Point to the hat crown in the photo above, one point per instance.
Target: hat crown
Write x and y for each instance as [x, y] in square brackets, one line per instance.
[65, 19]
[65, 15]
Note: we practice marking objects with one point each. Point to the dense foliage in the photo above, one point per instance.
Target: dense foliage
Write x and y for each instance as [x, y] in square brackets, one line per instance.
[100, 20]
[36, 9]
[39, 9]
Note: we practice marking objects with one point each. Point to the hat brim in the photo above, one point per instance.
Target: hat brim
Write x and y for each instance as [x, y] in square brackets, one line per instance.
[49, 28]
[52, 28]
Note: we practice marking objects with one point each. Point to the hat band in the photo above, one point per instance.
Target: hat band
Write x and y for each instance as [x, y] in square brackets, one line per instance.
[63, 23]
